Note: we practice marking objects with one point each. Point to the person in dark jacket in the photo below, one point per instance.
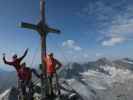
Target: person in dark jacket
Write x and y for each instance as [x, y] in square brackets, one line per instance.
[15, 61]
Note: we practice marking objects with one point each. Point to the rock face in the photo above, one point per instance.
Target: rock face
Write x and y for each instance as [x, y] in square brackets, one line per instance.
[67, 93]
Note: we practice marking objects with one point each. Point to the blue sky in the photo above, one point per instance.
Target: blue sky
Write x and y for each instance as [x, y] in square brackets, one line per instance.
[90, 29]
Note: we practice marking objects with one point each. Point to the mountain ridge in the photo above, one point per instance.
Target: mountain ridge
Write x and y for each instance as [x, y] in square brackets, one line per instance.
[102, 66]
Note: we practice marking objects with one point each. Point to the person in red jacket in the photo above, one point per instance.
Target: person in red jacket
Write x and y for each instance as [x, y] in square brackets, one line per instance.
[52, 64]
[15, 60]
[25, 74]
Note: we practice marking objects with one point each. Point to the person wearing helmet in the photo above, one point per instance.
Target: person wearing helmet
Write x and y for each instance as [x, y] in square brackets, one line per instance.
[52, 64]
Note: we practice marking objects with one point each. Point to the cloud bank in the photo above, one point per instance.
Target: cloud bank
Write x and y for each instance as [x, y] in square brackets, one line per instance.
[113, 20]
[71, 44]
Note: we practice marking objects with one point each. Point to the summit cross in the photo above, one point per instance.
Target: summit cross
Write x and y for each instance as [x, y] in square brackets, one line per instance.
[43, 30]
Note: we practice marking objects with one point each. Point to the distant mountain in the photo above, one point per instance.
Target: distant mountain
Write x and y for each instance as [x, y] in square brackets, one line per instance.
[74, 69]
[7, 80]
[103, 62]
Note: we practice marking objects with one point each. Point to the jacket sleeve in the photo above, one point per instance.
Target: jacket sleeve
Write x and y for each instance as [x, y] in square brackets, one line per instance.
[25, 53]
[58, 64]
[35, 73]
[7, 62]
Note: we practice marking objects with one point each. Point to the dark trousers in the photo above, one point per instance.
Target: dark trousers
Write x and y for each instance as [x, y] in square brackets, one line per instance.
[50, 84]
[53, 84]
[26, 89]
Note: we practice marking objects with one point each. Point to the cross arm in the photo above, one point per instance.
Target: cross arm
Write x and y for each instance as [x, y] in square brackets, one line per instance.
[28, 26]
[52, 30]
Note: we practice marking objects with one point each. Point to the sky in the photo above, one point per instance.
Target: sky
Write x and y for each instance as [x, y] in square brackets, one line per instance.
[90, 29]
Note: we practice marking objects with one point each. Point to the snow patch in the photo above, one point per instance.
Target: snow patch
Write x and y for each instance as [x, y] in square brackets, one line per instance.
[118, 75]
[126, 61]
[4, 94]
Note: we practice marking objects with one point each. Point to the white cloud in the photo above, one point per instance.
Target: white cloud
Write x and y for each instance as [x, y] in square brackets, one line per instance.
[121, 26]
[99, 54]
[113, 19]
[68, 43]
[119, 29]
[77, 48]
[71, 44]
[113, 41]
[85, 55]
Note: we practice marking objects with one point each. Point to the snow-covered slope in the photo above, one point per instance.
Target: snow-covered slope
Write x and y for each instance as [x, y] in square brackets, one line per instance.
[4, 94]
[9, 94]
[98, 86]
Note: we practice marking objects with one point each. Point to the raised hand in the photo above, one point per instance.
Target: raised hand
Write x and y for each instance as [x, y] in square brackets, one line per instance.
[4, 54]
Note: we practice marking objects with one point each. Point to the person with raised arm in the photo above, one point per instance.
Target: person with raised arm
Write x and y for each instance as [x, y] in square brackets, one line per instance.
[15, 60]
